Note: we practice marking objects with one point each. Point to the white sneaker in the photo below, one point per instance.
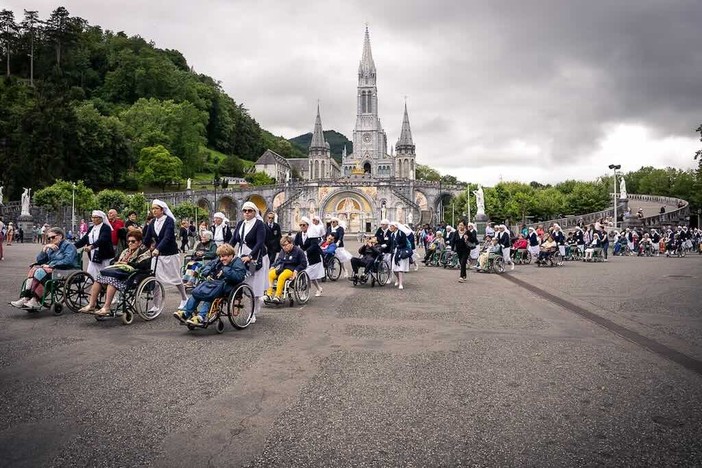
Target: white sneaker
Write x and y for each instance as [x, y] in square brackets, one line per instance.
[400, 287]
[253, 319]
[318, 293]
[513, 266]
[182, 304]
[396, 283]
[32, 304]
[20, 303]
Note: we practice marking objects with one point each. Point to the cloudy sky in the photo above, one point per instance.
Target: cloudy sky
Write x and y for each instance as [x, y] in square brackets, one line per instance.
[514, 90]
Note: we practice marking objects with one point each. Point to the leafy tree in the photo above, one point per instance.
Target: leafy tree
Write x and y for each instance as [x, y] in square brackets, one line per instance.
[232, 167]
[188, 210]
[260, 178]
[111, 199]
[136, 202]
[423, 172]
[8, 34]
[587, 197]
[31, 18]
[60, 194]
[157, 166]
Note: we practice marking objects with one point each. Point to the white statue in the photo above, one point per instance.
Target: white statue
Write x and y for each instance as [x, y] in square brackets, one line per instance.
[410, 217]
[26, 198]
[1, 195]
[622, 189]
[189, 182]
[383, 211]
[480, 199]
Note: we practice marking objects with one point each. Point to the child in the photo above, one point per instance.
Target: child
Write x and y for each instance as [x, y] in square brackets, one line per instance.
[291, 260]
[228, 269]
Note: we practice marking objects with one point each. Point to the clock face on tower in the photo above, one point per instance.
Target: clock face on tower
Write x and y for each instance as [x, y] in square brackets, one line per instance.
[367, 138]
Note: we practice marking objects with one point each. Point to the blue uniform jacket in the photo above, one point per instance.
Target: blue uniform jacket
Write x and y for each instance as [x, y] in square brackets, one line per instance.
[102, 249]
[165, 241]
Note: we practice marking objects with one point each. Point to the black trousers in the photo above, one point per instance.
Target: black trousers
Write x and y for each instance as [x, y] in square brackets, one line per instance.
[463, 260]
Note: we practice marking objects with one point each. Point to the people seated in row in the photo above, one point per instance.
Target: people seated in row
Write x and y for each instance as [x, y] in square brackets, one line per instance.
[520, 243]
[290, 261]
[136, 257]
[370, 252]
[206, 249]
[57, 253]
[493, 248]
[223, 275]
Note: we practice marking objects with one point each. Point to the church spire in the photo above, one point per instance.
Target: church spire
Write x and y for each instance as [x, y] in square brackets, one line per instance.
[367, 65]
[406, 133]
[318, 135]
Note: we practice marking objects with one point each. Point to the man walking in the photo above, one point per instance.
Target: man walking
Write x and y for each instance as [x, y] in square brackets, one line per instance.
[273, 240]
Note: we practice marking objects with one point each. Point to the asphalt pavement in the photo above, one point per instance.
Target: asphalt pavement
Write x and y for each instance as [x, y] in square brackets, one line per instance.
[484, 373]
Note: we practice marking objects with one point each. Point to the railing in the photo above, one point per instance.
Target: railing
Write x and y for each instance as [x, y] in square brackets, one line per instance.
[669, 217]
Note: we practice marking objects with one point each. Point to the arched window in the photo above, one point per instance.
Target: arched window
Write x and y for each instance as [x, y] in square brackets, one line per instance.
[323, 174]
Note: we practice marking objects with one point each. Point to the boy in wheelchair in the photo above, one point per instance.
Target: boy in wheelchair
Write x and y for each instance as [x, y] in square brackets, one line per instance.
[221, 277]
[290, 261]
[370, 252]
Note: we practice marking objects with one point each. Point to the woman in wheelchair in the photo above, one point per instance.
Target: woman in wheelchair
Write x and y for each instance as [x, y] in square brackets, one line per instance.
[436, 246]
[227, 272]
[494, 248]
[370, 252]
[136, 257]
[204, 250]
[57, 253]
[593, 245]
[547, 249]
[290, 261]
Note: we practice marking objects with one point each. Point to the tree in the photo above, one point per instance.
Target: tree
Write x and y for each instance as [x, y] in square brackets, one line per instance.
[111, 199]
[8, 34]
[136, 202]
[260, 178]
[60, 194]
[157, 166]
[31, 17]
[423, 172]
[188, 210]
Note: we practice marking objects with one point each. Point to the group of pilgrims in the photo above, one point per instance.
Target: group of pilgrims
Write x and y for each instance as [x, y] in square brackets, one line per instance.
[257, 252]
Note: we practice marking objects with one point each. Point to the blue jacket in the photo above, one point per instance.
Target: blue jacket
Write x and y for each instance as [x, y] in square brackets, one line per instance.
[231, 274]
[338, 234]
[254, 240]
[64, 257]
[295, 260]
[165, 241]
[102, 249]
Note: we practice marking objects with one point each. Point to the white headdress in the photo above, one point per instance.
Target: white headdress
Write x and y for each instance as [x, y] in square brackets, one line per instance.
[252, 206]
[305, 220]
[103, 216]
[166, 210]
[221, 216]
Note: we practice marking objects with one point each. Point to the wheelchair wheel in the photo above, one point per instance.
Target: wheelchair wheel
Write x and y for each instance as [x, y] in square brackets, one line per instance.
[127, 317]
[498, 265]
[301, 288]
[220, 326]
[149, 298]
[56, 308]
[383, 273]
[77, 290]
[333, 269]
[240, 306]
[527, 258]
[557, 259]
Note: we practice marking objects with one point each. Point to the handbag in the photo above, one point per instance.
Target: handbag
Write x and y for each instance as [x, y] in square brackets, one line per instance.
[209, 290]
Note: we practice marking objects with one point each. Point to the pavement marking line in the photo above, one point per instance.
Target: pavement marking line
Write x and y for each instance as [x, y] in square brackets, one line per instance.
[662, 350]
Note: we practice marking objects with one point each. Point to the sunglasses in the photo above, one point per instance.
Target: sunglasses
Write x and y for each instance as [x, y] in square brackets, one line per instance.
[51, 238]
[132, 241]
[248, 210]
[303, 224]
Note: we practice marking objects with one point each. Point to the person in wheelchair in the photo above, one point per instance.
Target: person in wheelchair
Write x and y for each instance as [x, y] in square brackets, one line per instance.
[58, 253]
[436, 246]
[290, 261]
[547, 249]
[370, 252]
[136, 257]
[596, 243]
[646, 245]
[221, 277]
[493, 248]
[328, 248]
[206, 249]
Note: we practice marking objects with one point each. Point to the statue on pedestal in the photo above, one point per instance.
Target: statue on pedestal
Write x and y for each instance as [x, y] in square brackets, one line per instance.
[26, 198]
[189, 182]
[622, 189]
[480, 199]
[1, 195]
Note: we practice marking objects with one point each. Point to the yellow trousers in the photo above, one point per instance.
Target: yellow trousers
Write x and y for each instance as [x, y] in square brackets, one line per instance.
[272, 275]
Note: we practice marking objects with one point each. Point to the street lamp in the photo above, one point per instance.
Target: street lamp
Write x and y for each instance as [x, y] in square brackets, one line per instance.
[614, 168]
[216, 183]
[73, 209]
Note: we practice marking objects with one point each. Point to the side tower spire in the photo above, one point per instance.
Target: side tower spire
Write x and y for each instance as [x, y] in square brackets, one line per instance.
[405, 150]
[320, 162]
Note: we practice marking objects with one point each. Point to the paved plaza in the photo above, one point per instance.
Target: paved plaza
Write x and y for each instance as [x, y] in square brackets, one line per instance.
[511, 370]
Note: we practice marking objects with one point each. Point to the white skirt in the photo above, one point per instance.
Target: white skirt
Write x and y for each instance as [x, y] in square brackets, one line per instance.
[168, 269]
[343, 255]
[95, 267]
[402, 267]
[259, 280]
[316, 271]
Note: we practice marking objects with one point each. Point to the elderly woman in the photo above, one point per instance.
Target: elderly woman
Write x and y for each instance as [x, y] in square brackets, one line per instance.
[250, 236]
[57, 253]
[136, 257]
[161, 235]
[204, 250]
[310, 245]
[97, 242]
[221, 231]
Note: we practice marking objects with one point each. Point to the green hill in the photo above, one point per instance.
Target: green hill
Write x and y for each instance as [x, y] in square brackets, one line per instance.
[335, 139]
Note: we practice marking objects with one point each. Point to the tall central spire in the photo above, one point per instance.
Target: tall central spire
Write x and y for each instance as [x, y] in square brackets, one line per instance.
[318, 135]
[367, 65]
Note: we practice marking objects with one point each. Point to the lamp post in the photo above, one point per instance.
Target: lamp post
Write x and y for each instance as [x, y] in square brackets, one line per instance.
[73, 209]
[216, 183]
[614, 168]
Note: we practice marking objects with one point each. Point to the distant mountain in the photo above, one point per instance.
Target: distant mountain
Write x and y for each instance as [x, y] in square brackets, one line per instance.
[335, 139]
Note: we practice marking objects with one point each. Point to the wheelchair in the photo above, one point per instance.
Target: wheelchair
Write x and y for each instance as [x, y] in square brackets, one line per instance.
[495, 264]
[521, 257]
[379, 272]
[448, 259]
[56, 293]
[597, 256]
[196, 277]
[332, 267]
[237, 306]
[139, 297]
[573, 252]
[297, 290]
[552, 259]
[435, 258]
